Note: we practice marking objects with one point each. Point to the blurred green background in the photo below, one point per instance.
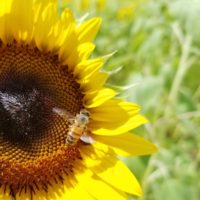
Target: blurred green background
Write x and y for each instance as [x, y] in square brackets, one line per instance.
[157, 65]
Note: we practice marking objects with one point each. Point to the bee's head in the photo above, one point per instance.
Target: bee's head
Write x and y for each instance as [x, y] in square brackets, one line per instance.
[84, 116]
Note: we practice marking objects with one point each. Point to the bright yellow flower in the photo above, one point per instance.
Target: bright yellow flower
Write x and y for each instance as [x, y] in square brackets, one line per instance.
[45, 67]
[101, 4]
[127, 9]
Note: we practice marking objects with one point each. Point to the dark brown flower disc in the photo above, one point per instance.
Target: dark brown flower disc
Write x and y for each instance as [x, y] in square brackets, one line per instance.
[33, 150]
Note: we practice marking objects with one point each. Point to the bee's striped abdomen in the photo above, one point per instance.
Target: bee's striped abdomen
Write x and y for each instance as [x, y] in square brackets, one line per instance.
[74, 134]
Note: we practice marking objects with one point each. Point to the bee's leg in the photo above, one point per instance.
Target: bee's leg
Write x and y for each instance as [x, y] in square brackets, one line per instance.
[69, 140]
[71, 121]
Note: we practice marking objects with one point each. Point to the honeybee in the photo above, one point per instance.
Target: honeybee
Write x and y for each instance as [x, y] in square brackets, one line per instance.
[78, 125]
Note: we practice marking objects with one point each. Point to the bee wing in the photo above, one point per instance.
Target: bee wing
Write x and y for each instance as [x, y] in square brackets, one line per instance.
[87, 138]
[63, 113]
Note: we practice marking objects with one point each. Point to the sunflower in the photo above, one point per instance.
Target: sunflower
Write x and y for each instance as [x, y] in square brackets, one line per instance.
[46, 81]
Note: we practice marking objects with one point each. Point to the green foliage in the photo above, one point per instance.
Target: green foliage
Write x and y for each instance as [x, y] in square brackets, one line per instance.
[158, 47]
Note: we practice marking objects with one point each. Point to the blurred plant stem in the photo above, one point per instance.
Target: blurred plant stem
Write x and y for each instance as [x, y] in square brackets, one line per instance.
[184, 64]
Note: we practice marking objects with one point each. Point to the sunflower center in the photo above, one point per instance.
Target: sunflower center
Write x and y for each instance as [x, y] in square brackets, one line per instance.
[24, 110]
[33, 149]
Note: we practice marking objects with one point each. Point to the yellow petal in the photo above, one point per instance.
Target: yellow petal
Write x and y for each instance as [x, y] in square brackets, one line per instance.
[81, 193]
[114, 110]
[5, 7]
[98, 189]
[93, 156]
[69, 45]
[5, 25]
[4, 196]
[95, 99]
[66, 20]
[127, 144]
[67, 16]
[46, 20]
[22, 19]
[108, 128]
[101, 160]
[118, 175]
[87, 68]
[82, 52]
[88, 30]
[73, 57]
[72, 54]
[87, 85]
[85, 50]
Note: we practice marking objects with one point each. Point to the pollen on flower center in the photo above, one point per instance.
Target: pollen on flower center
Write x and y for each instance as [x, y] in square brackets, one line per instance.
[33, 150]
